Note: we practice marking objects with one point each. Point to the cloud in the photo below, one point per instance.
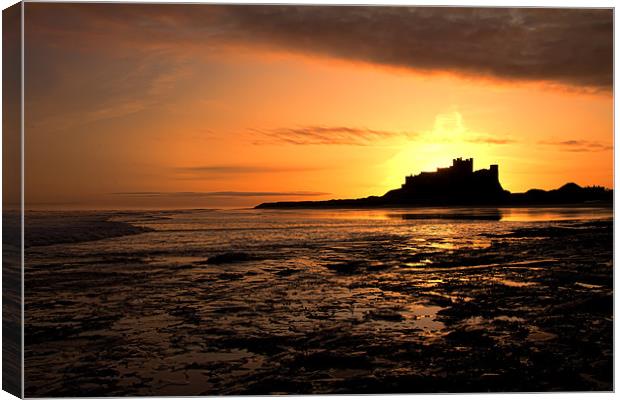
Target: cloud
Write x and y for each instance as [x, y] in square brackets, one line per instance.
[218, 194]
[570, 46]
[242, 169]
[491, 140]
[230, 171]
[564, 46]
[319, 135]
[578, 146]
[68, 88]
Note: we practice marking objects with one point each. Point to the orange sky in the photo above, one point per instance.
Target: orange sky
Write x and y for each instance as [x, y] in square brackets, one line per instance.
[211, 109]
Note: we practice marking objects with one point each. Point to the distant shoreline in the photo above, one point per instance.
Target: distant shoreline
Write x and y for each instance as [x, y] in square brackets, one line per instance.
[280, 206]
[569, 194]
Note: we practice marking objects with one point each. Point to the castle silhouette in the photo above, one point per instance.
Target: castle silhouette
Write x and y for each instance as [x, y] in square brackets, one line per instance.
[459, 184]
[460, 180]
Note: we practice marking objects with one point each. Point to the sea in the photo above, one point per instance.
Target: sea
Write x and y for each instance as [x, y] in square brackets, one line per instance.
[245, 301]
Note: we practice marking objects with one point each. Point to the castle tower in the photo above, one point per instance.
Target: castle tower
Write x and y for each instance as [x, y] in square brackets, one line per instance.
[494, 168]
[464, 167]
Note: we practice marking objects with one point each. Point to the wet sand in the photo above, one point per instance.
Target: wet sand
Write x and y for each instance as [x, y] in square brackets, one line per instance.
[484, 307]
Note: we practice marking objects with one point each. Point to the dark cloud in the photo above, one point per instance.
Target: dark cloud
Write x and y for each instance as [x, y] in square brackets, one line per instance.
[219, 194]
[563, 46]
[578, 145]
[310, 135]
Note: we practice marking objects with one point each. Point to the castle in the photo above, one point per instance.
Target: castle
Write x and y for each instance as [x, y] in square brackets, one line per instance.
[460, 181]
[460, 170]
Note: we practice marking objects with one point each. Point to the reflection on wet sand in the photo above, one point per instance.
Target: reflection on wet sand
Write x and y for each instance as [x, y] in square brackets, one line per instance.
[523, 214]
[249, 302]
[491, 215]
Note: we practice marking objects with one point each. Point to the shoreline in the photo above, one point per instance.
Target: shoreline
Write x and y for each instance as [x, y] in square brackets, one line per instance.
[293, 205]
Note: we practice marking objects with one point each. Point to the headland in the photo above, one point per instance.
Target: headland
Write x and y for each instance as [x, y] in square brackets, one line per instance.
[458, 185]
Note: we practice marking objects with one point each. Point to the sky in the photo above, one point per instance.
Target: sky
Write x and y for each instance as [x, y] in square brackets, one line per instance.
[188, 105]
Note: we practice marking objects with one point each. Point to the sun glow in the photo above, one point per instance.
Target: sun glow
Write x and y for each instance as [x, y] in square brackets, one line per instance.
[436, 148]
[449, 126]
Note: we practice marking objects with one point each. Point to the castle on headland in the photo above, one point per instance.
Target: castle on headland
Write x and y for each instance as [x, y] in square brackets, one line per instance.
[461, 185]
[457, 182]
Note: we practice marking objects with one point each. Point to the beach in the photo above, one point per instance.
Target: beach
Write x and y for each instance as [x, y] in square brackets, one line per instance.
[230, 302]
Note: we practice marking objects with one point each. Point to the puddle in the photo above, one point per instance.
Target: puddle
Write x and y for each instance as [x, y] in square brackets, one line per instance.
[588, 285]
[509, 319]
[510, 283]
[538, 335]
[424, 316]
